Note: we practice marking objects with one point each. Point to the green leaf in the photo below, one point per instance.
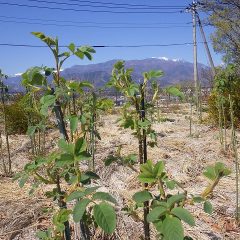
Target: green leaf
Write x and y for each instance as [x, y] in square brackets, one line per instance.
[65, 146]
[142, 196]
[158, 225]
[171, 184]
[64, 54]
[80, 209]
[31, 130]
[83, 156]
[172, 228]
[105, 217]
[104, 196]
[75, 195]
[198, 199]
[91, 190]
[48, 100]
[85, 84]
[37, 79]
[41, 235]
[91, 175]
[210, 173]
[155, 213]
[49, 41]
[80, 146]
[73, 123]
[175, 199]
[147, 173]
[80, 194]
[184, 215]
[158, 169]
[23, 180]
[110, 159]
[65, 159]
[71, 47]
[208, 207]
[79, 54]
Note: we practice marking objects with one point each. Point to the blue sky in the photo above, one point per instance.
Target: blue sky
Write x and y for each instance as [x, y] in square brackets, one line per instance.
[176, 29]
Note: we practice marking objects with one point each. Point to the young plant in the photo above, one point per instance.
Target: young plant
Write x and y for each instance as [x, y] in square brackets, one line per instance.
[168, 210]
[61, 168]
[134, 113]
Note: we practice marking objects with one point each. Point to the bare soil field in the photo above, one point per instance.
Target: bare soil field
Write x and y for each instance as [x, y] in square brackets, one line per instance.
[21, 215]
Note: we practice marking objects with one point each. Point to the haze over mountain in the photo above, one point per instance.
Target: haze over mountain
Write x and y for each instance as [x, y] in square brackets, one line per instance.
[175, 71]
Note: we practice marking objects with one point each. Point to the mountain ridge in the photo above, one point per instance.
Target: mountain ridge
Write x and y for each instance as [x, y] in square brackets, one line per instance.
[175, 71]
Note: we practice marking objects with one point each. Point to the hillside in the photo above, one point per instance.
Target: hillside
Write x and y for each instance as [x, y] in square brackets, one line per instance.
[175, 71]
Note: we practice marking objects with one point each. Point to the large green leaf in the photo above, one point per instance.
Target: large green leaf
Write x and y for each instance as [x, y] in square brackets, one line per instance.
[142, 196]
[158, 169]
[75, 195]
[79, 209]
[184, 215]
[155, 213]
[172, 228]
[150, 173]
[175, 199]
[104, 196]
[105, 217]
[146, 175]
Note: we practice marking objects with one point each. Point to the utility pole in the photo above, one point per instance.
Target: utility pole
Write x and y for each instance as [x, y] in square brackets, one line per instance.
[193, 9]
[206, 46]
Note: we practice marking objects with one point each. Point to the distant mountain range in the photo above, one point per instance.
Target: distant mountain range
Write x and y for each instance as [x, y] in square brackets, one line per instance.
[175, 71]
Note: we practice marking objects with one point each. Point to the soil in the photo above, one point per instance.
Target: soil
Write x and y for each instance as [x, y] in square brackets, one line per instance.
[185, 157]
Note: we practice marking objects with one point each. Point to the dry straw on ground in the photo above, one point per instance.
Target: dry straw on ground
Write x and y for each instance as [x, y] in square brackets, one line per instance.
[185, 158]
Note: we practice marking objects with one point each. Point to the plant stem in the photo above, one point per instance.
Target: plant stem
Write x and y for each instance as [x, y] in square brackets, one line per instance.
[62, 204]
[146, 203]
[234, 146]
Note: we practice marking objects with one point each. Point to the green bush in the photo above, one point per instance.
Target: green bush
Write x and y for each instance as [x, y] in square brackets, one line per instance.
[17, 116]
[226, 82]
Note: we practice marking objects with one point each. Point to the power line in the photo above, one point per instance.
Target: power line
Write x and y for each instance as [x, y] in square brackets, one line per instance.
[93, 26]
[125, 4]
[114, 6]
[91, 22]
[102, 46]
[87, 10]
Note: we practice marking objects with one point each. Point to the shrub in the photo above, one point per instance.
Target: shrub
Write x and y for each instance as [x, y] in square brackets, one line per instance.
[17, 118]
[226, 82]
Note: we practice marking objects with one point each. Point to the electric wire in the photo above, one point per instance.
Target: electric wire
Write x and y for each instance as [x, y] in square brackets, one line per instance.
[94, 26]
[125, 4]
[88, 10]
[105, 6]
[91, 22]
[102, 46]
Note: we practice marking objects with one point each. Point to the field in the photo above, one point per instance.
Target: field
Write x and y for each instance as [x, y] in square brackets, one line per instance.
[185, 157]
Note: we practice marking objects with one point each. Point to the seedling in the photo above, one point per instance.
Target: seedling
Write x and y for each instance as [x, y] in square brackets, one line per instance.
[61, 168]
[167, 210]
